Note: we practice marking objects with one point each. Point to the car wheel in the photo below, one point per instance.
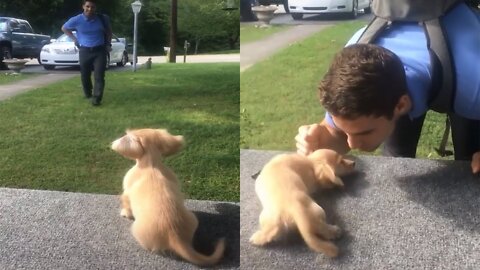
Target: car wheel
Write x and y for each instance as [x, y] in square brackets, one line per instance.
[124, 60]
[285, 6]
[297, 16]
[354, 13]
[49, 67]
[5, 53]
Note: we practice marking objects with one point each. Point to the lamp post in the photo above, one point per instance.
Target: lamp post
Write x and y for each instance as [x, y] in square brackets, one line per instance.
[136, 6]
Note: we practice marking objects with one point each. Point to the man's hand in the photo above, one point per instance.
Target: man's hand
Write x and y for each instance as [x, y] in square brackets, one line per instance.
[307, 139]
[317, 136]
[476, 163]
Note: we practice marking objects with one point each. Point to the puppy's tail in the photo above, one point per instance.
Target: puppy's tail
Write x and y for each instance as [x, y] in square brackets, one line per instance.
[186, 251]
[309, 221]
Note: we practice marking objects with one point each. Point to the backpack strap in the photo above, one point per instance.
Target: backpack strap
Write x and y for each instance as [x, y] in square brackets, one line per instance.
[105, 28]
[374, 28]
[102, 19]
[442, 100]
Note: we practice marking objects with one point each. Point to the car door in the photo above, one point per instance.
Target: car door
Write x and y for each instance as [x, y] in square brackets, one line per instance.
[117, 50]
[31, 45]
[19, 40]
[25, 42]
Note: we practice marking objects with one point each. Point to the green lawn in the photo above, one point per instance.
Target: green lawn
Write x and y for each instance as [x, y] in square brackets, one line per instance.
[280, 94]
[249, 32]
[53, 138]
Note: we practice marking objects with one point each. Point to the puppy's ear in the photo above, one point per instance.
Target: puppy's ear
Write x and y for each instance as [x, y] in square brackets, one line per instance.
[326, 175]
[170, 144]
[128, 146]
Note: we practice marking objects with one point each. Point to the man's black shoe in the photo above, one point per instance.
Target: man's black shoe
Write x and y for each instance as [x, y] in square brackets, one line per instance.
[95, 102]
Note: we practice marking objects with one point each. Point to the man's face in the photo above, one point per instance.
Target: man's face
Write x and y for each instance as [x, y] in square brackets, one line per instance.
[89, 8]
[365, 133]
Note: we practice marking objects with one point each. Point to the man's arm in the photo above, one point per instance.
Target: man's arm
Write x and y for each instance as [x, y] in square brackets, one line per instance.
[316, 136]
[69, 32]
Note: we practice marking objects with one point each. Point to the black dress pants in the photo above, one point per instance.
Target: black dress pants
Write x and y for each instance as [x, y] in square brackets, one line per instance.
[404, 139]
[93, 59]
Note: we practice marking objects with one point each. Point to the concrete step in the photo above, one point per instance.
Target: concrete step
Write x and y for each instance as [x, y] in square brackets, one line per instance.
[63, 230]
[396, 213]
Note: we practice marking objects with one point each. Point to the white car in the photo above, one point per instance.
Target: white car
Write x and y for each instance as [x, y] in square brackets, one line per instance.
[63, 52]
[299, 7]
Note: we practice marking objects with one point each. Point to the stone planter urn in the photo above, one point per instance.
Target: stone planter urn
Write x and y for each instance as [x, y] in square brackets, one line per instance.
[264, 14]
[15, 64]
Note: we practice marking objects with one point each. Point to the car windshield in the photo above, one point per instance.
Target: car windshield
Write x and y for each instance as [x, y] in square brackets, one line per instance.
[65, 38]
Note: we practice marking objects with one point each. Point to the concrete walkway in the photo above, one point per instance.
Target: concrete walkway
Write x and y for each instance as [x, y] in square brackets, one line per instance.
[62, 230]
[396, 213]
[10, 90]
[254, 52]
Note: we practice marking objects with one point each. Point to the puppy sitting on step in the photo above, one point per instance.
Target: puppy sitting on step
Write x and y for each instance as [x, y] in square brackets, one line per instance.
[152, 196]
[284, 187]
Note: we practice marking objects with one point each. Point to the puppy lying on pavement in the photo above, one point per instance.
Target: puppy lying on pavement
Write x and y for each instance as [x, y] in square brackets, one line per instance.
[284, 186]
[152, 196]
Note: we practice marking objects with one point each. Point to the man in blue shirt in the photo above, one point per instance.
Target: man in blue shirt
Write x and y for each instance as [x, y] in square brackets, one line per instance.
[92, 37]
[378, 93]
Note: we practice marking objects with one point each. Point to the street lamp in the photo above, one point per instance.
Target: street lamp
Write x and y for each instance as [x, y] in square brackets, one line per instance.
[136, 6]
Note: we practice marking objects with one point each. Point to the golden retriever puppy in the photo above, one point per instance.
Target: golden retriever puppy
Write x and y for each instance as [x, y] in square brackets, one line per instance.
[152, 196]
[284, 187]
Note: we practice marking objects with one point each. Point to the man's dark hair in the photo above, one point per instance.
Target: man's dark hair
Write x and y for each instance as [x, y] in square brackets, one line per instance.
[363, 80]
[91, 1]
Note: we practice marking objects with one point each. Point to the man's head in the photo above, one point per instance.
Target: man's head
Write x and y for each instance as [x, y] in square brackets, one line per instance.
[89, 7]
[365, 91]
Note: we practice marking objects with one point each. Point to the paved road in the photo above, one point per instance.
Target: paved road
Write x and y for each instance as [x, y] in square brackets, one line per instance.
[34, 67]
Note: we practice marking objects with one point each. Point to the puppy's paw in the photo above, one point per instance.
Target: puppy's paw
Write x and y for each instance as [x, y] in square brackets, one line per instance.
[331, 250]
[336, 231]
[258, 239]
[126, 213]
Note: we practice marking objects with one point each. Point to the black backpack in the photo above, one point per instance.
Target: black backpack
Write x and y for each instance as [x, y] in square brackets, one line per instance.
[427, 13]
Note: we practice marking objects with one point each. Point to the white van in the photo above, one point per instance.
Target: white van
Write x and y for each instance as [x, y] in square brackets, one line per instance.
[299, 7]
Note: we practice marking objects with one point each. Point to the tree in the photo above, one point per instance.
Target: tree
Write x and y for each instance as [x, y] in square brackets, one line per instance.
[202, 20]
[47, 17]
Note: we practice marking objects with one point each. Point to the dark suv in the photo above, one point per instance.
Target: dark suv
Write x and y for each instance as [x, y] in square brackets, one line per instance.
[17, 40]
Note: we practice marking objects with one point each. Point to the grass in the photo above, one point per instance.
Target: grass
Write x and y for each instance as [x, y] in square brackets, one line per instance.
[52, 138]
[8, 77]
[288, 81]
[249, 32]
